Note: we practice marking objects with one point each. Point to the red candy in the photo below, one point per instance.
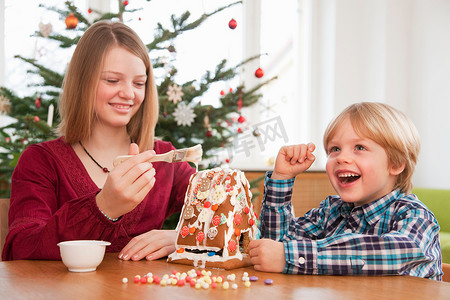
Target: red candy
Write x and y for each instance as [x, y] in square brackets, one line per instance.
[200, 236]
[232, 245]
[207, 204]
[216, 220]
[237, 219]
[184, 231]
[246, 210]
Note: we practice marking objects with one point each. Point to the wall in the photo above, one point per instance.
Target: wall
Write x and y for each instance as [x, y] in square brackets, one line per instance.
[392, 51]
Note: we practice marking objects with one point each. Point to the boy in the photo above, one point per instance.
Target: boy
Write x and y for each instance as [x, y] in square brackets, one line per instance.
[374, 226]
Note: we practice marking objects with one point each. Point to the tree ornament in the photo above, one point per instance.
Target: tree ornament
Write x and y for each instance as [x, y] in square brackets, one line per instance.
[71, 21]
[174, 92]
[89, 11]
[37, 102]
[171, 49]
[241, 119]
[125, 3]
[232, 24]
[36, 119]
[239, 104]
[222, 93]
[259, 73]
[184, 115]
[5, 105]
[209, 133]
[45, 29]
[256, 132]
[7, 139]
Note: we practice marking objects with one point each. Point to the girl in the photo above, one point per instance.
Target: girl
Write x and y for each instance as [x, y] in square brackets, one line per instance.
[67, 189]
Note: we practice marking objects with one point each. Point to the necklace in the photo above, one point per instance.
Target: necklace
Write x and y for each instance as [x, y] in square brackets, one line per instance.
[103, 168]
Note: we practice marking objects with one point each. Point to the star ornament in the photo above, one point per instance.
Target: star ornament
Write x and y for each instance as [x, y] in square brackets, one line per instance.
[184, 115]
[174, 92]
[5, 105]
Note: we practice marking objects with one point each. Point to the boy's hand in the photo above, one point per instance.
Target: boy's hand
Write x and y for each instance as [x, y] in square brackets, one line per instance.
[267, 255]
[293, 160]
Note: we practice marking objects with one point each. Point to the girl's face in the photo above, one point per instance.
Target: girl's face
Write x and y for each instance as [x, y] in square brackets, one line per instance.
[358, 167]
[121, 89]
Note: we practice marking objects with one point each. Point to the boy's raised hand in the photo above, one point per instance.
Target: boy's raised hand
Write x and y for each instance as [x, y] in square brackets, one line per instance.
[293, 160]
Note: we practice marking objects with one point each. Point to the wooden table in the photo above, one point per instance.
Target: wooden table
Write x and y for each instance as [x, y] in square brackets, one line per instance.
[51, 280]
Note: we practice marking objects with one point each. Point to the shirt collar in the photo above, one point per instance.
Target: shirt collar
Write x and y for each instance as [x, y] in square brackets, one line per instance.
[374, 210]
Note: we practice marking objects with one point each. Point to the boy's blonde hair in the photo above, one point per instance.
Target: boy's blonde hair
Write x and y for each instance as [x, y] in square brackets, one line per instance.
[76, 103]
[389, 128]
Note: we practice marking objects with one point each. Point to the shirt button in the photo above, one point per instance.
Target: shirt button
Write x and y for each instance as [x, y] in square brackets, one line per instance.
[348, 230]
[301, 260]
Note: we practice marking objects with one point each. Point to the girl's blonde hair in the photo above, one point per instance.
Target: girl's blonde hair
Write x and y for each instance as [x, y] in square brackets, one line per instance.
[76, 103]
[389, 128]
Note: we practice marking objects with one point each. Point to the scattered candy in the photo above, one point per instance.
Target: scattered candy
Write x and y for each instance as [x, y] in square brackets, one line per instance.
[198, 279]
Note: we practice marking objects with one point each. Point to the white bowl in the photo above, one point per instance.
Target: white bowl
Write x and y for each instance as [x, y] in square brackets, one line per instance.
[82, 255]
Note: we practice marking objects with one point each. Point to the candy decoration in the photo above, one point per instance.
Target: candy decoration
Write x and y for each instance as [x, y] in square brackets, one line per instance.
[215, 207]
[237, 219]
[192, 230]
[200, 236]
[207, 204]
[251, 222]
[237, 232]
[216, 220]
[268, 281]
[253, 278]
[259, 73]
[247, 210]
[232, 24]
[232, 245]
[184, 231]
[181, 250]
[71, 21]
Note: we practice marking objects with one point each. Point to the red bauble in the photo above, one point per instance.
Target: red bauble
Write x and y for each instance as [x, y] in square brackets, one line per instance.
[90, 11]
[125, 3]
[209, 133]
[232, 24]
[240, 130]
[71, 21]
[259, 73]
[241, 119]
[36, 118]
[37, 102]
[222, 92]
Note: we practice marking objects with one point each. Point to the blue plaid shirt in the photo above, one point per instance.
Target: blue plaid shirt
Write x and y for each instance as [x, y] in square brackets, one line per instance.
[394, 235]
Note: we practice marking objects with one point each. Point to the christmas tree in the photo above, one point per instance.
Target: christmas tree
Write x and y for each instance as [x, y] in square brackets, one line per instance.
[183, 120]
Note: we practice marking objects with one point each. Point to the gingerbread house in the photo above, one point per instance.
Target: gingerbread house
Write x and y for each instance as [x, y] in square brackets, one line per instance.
[217, 221]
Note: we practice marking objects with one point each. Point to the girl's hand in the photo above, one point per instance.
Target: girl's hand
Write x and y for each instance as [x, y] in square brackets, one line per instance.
[267, 255]
[151, 245]
[293, 160]
[127, 184]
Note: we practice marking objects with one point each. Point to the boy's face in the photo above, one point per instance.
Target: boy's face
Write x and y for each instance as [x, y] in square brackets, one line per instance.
[358, 167]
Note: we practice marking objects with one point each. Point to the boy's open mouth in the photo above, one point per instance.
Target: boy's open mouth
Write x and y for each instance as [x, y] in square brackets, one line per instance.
[346, 178]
